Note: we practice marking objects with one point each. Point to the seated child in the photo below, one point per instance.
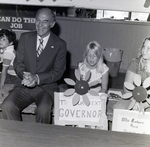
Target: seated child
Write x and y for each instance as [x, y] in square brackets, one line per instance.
[93, 61]
[139, 65]
[7, 54]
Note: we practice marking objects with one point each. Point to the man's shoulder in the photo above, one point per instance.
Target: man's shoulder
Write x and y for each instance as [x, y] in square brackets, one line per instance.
[29, 33]
[57, 38]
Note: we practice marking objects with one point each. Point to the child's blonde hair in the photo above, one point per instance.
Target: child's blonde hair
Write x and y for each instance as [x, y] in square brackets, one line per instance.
[142, 62]
[95, 46]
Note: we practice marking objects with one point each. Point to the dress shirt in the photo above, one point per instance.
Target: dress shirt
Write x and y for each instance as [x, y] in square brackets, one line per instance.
[45, 39]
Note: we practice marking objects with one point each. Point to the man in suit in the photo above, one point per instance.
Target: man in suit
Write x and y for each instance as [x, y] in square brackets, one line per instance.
[38, 65]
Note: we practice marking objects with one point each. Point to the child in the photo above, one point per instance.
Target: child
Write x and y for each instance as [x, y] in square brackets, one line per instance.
[7, 54]
[139, 65]
[93, 61]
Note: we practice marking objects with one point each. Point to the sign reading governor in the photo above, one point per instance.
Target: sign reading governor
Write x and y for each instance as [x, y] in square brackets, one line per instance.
[80, 112]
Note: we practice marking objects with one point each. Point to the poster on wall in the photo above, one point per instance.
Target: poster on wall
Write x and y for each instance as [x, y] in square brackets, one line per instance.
[17, 17]
[21, 23]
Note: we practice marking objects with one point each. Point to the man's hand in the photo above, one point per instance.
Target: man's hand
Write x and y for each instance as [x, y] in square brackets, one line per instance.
[29, 79]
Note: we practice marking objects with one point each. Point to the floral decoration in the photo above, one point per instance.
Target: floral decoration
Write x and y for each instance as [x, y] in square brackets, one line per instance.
[80, 88]
[138, 93]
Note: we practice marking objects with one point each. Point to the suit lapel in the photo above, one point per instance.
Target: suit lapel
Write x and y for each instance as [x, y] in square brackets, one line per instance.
[32, 52]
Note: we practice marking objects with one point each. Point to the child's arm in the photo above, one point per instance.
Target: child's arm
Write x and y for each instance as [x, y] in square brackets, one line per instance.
[6, 64]
[3, 76]
[105, 82]
[7, 58]
[128, 78]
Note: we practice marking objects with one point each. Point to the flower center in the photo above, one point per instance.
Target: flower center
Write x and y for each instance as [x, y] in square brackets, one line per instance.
[81, 87]
[140, 94]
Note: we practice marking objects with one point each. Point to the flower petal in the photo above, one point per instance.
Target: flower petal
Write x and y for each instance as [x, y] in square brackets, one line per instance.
[129, 86]
[126, 95]
[93, 83]
[77, 74]
[137, 106]
[75, 99]
[137, 79]
[146, 82]
[148, 101]
[92, 92]
[88, 75]
[148, 92]
[141, 107]
[131, 105]
[86, 100]
[146, 105]
[69, 81]
[69, 92]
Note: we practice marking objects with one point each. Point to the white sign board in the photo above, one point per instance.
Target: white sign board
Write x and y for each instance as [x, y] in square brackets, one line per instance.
[66, 113]
[131, 121]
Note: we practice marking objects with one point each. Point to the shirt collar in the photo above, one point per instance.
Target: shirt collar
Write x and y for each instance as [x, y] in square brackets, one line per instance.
[45, 38]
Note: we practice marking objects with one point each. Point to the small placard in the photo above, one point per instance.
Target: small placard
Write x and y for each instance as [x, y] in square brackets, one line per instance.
[65, 113]
[131, 121]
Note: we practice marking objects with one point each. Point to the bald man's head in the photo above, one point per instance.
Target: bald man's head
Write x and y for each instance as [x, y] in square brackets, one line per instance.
[45, 20]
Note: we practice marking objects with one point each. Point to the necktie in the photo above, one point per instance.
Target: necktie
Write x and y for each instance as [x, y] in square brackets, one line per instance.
[40, 48]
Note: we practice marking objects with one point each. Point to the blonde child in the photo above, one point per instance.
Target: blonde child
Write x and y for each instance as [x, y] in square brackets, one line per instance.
[139, 65]
[7, 42]
[93, 62]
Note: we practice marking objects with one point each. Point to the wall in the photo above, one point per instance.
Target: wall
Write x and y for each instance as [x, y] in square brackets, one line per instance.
[127, 36]
[78, 32]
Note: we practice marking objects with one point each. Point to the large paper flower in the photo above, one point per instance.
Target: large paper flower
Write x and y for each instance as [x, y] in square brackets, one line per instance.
[138, 93]
[80, 88]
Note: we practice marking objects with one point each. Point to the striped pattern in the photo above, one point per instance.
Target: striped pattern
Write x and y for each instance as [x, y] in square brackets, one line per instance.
[40, 48]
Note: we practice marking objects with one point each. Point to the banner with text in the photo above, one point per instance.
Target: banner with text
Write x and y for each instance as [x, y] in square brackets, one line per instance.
[21, 23]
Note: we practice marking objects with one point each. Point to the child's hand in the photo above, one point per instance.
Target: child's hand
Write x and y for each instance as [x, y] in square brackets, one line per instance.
[103, 95]
[3, 91]
[1, 87]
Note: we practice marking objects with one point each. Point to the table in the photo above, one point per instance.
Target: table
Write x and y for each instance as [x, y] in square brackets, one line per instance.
[23, 134]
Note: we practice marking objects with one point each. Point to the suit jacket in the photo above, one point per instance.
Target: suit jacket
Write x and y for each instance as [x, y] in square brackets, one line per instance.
[52, 62]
